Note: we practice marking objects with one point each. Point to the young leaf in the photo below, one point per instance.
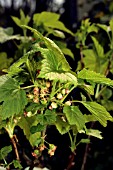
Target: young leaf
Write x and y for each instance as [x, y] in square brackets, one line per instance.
[104, 27]
[94, 132]
[88, 88]
[53, 49]
[74, 116]
[111, 26]
[89, 118]
[24, 20]
[89, 59]
[98, 48]
[15, 68]
[45, 17]
[63, 47]
[84, 141]
[17, 164]
[99, 112]
[4, 36]
[13, 98]
[5, 151]
[50, 20]
[4, 61]
[94, 77]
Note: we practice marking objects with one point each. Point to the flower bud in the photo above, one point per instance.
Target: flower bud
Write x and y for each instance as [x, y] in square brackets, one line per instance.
[68, 103]
[63, 91]
[59, 96]
[48, 84]
[54, 105]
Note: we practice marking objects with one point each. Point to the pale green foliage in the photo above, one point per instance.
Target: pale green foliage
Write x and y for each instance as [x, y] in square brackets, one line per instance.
[6, 35]
[24, 20]
[94, 77]
[4, 61]
[50, 20]
[17, 164]
[94, 132]
[5, 151]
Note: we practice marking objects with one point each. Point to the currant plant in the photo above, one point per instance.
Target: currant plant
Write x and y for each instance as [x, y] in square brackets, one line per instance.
[37, 92]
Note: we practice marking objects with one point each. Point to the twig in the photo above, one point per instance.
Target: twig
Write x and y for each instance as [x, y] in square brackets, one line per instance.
[15, 147]
[71, 161]
[86, 150]
[81, 57]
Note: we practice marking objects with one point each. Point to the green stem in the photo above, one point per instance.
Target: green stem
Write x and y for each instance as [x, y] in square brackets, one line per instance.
[29, 69]
[27, 87]
[97, 91]
[67, 94]
[70, 137]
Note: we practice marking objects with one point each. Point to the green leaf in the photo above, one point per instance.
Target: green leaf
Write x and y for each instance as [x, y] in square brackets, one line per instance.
[59, 25]
[33, 107]
[108, 104]
[24, 20]
[89, 59]
[104, 27]
[84, 141]
[17, 164]
[62, 126]
[111, 26]
[99, 112]
[4, 61]
[13, 98]
[92, 28]
[52, 53]
[25, 126]
[50, 20]
[49, 117]
[58, 33]
[45, 17]
[5, 36]
[89, 118]
[94, 132]
[74, 116]
[37, 128]
[68, 52]
[16, 67]
[34, 138]
[88, 88]
[5, 151]
[92, 76]
[17, 21]
[54, 66]
[107, 93]
[57, 53]
[62, 77]
[98, 48]
[63, 47]
[53, 62]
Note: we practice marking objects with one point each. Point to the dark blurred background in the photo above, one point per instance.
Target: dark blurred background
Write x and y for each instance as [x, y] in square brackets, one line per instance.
[100, 153]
